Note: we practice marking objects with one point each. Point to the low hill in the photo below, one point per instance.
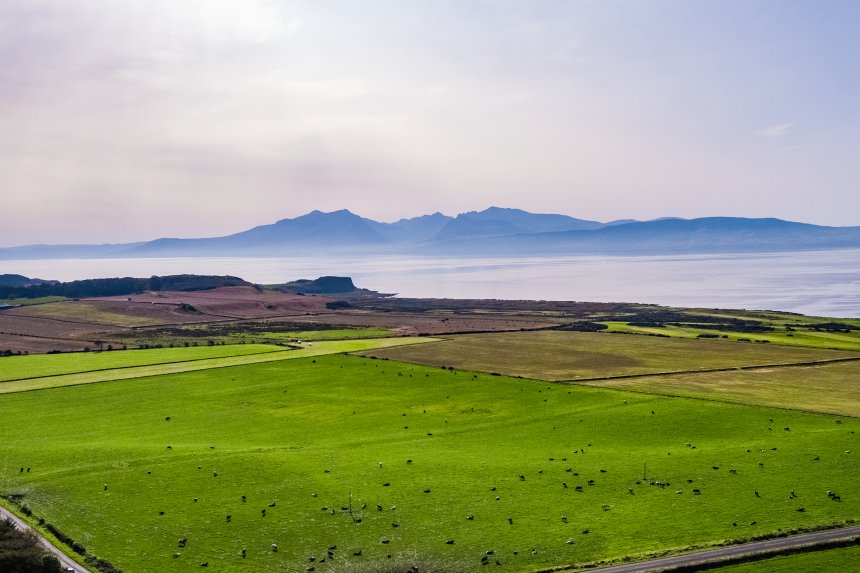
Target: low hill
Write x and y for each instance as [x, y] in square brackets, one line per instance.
[21, 281]
[322, 285]
[121, 286]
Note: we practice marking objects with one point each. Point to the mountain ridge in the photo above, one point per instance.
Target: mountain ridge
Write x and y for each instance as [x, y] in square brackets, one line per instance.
[494, 231]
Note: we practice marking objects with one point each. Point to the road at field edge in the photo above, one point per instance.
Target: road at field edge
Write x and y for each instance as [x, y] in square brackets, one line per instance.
[732, 552]
[64, 559]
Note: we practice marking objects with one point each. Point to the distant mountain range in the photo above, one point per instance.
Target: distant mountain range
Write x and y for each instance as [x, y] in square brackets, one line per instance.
[492, 232]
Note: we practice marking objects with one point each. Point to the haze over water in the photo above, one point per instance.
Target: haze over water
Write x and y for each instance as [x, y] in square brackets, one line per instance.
[817, 283]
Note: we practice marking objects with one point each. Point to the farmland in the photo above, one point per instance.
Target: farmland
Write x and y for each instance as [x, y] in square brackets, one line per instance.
[301, 435]
[18, 367]
[832, 388]
[556, 355]
[842, 559]
[229, 356]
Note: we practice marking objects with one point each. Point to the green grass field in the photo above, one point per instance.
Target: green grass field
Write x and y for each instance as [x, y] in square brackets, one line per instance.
[37, 365]
[554, 355]
[298, 437]
[234, 358]
[781, 336]
[831, 388]
[840, 560]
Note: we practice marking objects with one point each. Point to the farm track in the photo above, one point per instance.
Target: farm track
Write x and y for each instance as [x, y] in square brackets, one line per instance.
[708, 370]
[65, 561]
[711, 558]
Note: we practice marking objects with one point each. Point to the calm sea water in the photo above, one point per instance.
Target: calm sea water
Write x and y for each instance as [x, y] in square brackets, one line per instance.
[818, 283]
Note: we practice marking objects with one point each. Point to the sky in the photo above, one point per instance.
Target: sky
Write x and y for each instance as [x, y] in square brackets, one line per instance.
[127, 121]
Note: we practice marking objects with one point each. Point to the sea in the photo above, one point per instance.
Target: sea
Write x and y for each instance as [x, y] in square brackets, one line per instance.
[819, 283]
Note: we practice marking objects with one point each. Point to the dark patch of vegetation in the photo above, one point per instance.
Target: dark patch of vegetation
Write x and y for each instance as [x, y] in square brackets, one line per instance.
[582, 326]
[338, 305]
[830, 326]
[322, 285]
[121, 286]
[20, 552]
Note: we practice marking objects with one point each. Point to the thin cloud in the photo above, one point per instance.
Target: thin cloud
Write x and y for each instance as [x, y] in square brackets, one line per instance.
[772, 131]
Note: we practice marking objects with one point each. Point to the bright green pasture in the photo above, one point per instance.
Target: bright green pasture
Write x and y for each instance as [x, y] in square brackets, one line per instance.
[841, 560]
[34, 366]
[558, 355]
[123, 373]
[781, 336]
[305, 434]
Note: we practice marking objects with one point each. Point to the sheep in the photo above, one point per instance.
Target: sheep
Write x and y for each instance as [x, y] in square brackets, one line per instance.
[378, 507]
[263, 511]
[756, 493]
[450, 542]
[274, 547]
[182, 542]
[564, 484]
[510, 521]
[522, 477]
[564, 519]
[243, 552]
[470, 517]
[229, 517]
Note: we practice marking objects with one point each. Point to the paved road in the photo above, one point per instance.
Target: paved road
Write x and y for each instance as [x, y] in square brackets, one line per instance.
[735, 551]
[64, 561]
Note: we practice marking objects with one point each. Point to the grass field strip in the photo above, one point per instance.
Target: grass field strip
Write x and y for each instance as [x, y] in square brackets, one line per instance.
[124, 373]
[138, 365]
[707, 370]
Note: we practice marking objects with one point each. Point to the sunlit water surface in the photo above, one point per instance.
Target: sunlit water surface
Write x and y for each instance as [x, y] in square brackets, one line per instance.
[823, 283]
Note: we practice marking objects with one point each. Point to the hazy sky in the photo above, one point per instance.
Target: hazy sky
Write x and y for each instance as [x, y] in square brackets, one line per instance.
[134, 119]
